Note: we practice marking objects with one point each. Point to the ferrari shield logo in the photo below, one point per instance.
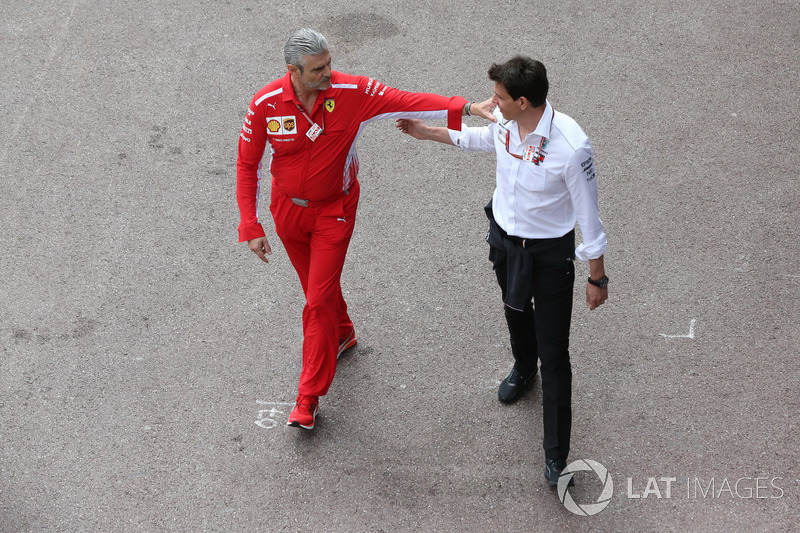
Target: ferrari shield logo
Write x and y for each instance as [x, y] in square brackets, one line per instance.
[329, 105]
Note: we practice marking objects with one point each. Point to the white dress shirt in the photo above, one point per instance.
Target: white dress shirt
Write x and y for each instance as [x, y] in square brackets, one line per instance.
[546, 200]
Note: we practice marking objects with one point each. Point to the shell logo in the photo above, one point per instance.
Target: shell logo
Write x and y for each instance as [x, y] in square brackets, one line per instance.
[273, 125]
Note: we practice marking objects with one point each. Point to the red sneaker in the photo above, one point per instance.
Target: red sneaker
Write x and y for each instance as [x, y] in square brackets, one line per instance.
[305, 412]
[347, 343]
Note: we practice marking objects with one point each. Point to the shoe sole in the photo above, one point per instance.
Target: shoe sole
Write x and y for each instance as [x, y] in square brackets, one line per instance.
[296, 424]
[346, 344]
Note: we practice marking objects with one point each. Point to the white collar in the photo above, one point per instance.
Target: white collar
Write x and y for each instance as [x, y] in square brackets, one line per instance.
[542, 128]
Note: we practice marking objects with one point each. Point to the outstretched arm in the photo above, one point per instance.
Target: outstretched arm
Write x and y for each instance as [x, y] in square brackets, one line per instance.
[419, 130]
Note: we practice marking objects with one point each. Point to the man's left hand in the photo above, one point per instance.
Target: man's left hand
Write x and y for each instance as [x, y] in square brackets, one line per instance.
[595, 296]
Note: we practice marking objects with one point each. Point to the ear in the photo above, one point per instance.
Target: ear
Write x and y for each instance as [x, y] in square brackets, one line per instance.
[293, 70]
[524, 103]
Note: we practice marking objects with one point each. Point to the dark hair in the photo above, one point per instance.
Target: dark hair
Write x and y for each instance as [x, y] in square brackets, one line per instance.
[522, 76]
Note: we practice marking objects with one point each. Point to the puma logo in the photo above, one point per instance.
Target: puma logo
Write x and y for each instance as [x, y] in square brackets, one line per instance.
[341, 219]
[272, 106]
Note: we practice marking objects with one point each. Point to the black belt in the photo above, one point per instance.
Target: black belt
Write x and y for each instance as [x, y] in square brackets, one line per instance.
[517, 240]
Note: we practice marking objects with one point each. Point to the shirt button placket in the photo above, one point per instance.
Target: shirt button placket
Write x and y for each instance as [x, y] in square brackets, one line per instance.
[512, 216]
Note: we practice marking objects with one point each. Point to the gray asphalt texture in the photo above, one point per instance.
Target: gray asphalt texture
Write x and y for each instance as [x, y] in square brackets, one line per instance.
[147, 359]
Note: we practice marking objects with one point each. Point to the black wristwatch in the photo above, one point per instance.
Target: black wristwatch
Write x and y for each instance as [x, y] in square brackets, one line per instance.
[602, 282]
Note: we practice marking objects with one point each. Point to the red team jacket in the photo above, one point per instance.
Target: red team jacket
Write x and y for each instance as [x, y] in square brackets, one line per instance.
[325, 167]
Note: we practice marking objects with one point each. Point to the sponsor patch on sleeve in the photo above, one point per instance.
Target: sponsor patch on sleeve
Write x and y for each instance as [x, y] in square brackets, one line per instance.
[587, 167]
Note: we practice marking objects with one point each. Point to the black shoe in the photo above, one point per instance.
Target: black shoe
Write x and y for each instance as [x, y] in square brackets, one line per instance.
[513, 386]
[552, 471]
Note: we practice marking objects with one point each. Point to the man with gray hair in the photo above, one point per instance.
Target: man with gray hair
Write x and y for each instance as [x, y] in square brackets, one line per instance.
[311, 119]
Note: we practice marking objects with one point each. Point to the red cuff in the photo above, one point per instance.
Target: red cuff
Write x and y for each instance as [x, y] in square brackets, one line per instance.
[454, 111]
[250, 231]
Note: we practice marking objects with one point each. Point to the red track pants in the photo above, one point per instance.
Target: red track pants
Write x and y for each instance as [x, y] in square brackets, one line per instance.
[316, 241]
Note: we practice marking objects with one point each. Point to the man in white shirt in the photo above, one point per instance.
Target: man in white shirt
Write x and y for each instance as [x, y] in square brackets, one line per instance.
[546, 183]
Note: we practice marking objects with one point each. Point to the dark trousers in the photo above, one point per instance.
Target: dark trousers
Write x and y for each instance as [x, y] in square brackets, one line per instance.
[541, 329]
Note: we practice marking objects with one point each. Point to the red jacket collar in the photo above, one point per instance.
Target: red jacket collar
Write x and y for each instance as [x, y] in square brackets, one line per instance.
[288, 88]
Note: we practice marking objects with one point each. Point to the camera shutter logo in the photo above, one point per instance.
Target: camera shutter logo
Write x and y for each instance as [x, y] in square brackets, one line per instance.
[587, 509]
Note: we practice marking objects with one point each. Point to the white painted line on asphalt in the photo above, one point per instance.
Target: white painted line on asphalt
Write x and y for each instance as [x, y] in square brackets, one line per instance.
[55, 48]
[689, 336]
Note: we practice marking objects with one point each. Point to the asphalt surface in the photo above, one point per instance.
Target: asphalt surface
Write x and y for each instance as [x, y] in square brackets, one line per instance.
[147, 359]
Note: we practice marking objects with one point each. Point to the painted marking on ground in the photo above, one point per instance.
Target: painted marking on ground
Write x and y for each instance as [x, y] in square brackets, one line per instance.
[689, 336]
[267, 417]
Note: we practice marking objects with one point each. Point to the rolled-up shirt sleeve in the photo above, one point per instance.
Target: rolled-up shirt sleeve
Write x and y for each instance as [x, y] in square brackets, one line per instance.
[473, 139]
[581, 181]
